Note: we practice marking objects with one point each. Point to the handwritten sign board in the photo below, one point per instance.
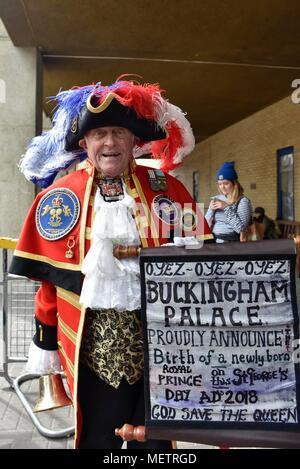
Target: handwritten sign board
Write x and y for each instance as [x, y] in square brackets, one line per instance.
[220, 326]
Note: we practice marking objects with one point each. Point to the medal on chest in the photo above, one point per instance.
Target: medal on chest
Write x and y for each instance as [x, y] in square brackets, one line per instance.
[111, 189]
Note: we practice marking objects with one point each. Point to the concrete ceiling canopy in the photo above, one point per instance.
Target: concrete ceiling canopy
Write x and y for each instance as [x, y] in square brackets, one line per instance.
[218, 61]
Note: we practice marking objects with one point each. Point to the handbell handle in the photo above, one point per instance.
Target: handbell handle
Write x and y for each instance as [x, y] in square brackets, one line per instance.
[123, 252]
[129, 432]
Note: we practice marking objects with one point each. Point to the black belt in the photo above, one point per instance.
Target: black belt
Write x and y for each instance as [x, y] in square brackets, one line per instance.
[228, 236]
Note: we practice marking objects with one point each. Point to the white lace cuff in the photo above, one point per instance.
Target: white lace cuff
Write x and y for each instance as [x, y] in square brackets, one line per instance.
[42, 361]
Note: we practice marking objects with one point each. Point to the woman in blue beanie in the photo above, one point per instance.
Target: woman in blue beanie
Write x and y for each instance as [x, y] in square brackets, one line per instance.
[229, 213]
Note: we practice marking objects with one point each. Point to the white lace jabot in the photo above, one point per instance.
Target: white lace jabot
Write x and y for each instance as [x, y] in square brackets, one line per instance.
[109, 282]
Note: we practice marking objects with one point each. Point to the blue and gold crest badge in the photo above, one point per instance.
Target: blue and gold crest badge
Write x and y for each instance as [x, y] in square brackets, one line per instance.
[57, 213]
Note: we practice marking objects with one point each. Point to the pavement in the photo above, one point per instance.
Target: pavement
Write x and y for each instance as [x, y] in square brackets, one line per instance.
[17, 430]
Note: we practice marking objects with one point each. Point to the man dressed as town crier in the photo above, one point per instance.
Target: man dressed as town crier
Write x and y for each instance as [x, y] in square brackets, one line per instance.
[82, 237]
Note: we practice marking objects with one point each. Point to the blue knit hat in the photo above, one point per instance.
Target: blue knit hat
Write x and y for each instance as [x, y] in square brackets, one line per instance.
[227, 171]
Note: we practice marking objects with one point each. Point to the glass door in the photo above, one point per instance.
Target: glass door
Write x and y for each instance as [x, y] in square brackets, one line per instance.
[196, 195]
[285, 186]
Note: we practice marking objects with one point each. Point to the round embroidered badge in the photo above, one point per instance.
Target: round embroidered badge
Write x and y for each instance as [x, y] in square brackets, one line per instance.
[189, 219]
[57, 213]
[166, 209]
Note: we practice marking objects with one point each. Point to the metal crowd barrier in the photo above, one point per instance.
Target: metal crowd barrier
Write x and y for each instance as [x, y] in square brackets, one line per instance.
[18, 328]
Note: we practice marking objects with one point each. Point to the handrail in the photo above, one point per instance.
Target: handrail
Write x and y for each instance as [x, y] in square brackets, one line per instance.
[8, 243]
[48, 433]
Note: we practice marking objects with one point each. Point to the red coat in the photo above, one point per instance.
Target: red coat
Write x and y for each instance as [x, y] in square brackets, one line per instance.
[57, 301]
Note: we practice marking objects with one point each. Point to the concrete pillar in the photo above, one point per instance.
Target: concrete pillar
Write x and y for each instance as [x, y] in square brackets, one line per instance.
[18, 124]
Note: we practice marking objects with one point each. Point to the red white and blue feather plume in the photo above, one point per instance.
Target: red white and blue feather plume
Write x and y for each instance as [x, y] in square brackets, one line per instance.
[46, 155]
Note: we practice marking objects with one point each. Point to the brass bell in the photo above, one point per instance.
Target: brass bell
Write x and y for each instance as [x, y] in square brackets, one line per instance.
[52, 393]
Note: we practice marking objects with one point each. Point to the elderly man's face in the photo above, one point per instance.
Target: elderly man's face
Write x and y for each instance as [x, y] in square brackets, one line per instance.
[109, 149]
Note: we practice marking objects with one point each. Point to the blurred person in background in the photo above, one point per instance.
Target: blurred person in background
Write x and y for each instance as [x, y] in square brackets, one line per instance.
[229, 213]
[270, 228]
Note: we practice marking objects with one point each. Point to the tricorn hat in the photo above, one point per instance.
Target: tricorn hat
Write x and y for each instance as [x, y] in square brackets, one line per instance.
[162, 128]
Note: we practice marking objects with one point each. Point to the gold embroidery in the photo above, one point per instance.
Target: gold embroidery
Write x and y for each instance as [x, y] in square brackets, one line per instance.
[68, 296]
[67, 330]
[85, 207]
[69, 364]
[147, 209]
[112, 345]
[36, 257]
[41, 333]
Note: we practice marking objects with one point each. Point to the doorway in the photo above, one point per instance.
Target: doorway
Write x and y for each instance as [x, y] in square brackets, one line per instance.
[285, 184]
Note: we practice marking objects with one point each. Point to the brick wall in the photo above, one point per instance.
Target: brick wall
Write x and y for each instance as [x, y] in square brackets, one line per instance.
[252, 143]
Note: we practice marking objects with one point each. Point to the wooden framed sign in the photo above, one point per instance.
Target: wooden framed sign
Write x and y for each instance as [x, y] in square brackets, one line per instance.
[221, 337]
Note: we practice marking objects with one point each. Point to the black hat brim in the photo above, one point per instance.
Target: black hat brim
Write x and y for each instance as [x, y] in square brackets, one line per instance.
[112, 114]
